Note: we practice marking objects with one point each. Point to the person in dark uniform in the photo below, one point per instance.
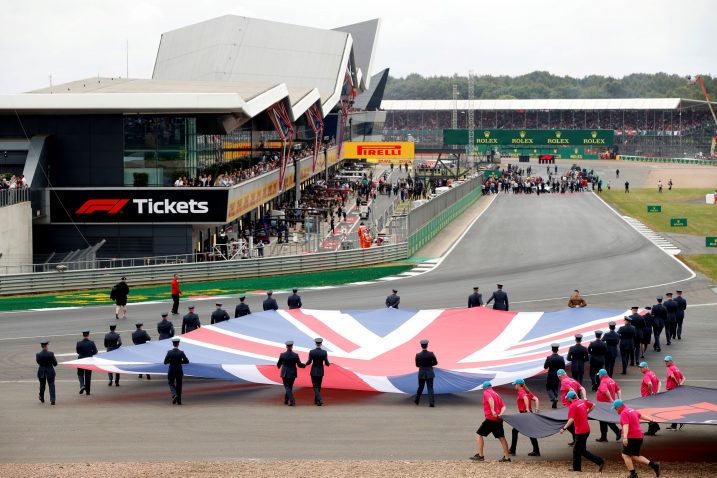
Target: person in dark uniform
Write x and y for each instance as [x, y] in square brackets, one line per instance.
[288, 361]
[597, 351]
[294, 300]
[553, 363]
[627, 344]
[393, 300]
[241, 309]
[190, 321]
[175, 358]
[46, 364]
[647, 330]
[637, 321]
[165, 328]
[119, 294]
[612, 341]
[317, 359]
[671, 324]
[577, 356]
[219, 315]
[659, 319]
[425, 361]
[140, 337]
[270, 302]
[500, 298]
[475, 299]
[681, 307]
[113, 341]
[85, 348]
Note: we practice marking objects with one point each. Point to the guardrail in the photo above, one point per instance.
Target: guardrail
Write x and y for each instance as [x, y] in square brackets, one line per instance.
[706, 162]
[8, 197]
[200, 271]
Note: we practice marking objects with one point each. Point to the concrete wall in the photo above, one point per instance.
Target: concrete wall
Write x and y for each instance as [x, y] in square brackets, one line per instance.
[16, 238]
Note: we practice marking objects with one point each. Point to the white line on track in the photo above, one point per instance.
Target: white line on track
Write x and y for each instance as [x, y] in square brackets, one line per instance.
[58, 335]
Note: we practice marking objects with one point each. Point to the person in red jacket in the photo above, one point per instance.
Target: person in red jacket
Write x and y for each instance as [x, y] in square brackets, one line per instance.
[578, 417]
[608, 391]
[632, 438]
[525, 405]
[176, 292]
[674, 379]
[493, 409]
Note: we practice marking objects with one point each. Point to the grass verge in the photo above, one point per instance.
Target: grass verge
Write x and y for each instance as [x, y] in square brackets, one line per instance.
[704, 263]
[211, 288]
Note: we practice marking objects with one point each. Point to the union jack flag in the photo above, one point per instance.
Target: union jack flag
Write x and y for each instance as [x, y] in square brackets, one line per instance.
[371, 349]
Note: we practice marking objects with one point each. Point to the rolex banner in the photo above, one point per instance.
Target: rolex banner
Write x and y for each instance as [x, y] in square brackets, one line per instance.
[382, 153]
[531, 137]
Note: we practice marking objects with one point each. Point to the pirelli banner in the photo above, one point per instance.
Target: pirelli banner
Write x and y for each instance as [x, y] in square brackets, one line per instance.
[532, 137]
[381, 153]
[138, 205]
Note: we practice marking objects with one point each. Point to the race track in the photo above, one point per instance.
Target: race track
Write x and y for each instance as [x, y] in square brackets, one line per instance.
[540, 248]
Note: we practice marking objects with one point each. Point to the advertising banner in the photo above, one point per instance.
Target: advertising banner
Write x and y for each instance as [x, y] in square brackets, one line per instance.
[532, 137]
[379, 151]
[139, 205]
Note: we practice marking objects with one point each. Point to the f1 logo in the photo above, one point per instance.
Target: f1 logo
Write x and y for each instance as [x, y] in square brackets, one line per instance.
[111, 206]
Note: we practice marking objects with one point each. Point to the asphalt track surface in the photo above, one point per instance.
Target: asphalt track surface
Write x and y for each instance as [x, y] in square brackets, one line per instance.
[539, 247]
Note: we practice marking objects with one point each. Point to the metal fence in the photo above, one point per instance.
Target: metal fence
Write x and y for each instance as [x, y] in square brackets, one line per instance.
[8, 197]
[200, 271]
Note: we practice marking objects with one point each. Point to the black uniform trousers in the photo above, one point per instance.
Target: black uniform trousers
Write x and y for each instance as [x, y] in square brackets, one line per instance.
[679, 326]
[288, 389]
[603, 430]
[657, 331]
[595, 366]
[580, 450]
[115, 376]
[553, 388]
[85, 377]
[609, 364]
[175, 385]
[578, 374]
[316, 384]
[421, 383]
[671, 330]
[175, 304]
[514, 441]
[50, 384]
[627, 355]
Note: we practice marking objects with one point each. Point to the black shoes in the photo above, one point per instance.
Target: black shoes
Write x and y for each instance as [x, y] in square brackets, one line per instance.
[511, 452]
[292, 404]
[655, 465]
[601, 439]
[572, 443]
[82, 390]
[52, 402]
[174, 399]
[477, 457]
[109, 384]
[432, 405]
[555, 404]
[416, 401]
[601, 466]
[534, 453]
[42, 399]
[505, 459]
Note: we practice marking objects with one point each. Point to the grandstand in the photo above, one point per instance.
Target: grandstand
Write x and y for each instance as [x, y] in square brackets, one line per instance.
[643, 126]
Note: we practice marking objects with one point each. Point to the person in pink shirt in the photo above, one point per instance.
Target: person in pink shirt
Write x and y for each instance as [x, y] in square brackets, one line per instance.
[674, 379]
[566, 385]
[650, 386]
[578, 417]
[525, 405]
[608, 391]
[632, 438]
[493, 409]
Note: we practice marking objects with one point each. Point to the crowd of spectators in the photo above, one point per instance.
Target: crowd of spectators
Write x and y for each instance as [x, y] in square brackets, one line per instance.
[12, 182]
[531, 181]
[646, 122]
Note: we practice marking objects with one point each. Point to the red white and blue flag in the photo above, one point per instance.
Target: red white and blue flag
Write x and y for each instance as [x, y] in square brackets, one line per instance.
[371, 349]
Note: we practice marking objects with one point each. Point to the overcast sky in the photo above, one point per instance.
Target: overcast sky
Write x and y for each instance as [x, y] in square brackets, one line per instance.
[75, 39]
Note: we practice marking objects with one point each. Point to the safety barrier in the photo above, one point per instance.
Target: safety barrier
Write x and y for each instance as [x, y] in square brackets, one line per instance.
[58, 281]
[704, 162]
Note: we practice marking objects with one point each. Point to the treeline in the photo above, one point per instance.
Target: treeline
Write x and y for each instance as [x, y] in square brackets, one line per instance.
[542, 85]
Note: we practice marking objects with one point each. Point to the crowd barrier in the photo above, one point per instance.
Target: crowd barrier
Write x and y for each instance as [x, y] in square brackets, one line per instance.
[706, 162]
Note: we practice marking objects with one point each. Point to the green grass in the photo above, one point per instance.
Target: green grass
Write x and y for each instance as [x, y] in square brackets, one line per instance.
[704, 263]
[689, 203]
[213, 288]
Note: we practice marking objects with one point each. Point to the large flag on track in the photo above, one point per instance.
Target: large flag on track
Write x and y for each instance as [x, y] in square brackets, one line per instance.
[371, 350]
[687, 405]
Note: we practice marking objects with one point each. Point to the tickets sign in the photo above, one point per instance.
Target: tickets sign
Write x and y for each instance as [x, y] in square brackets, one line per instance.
[381, 152]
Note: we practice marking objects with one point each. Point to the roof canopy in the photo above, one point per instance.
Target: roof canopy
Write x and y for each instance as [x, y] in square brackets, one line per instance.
[531, 105]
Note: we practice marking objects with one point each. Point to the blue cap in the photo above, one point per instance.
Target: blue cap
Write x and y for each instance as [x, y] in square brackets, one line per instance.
[520, 381]
[602, 372]
[561, 372]
[487, 384]
[617, 403]
[571, 394]
[668, 358]
[643, 364]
